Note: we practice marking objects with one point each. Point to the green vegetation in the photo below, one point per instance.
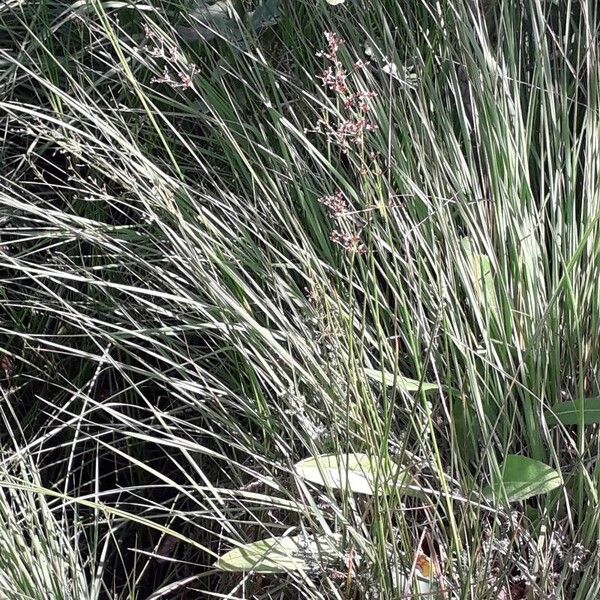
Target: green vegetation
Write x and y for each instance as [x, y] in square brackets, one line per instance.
[299, 299]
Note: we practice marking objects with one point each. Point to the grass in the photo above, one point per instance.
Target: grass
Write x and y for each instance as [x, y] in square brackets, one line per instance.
[184, 317]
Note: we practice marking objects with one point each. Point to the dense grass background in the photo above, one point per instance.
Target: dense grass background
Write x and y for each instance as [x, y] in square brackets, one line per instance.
[179, 328]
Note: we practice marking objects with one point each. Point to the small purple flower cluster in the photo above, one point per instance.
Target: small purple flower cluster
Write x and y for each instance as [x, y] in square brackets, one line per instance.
[350, 242]
[182, 81]
[177, 73]
[337, 205]
[351, 127]
[346, 132]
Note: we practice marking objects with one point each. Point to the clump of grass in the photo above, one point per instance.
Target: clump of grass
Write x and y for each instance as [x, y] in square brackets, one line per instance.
[39, 558]
[214, 266]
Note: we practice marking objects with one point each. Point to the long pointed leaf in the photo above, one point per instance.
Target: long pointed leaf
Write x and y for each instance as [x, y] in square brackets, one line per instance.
[398, 381]
[281, 554]
[357, 473]
[568, 413]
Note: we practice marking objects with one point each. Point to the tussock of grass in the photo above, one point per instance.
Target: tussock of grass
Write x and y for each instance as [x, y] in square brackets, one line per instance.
[187, 312]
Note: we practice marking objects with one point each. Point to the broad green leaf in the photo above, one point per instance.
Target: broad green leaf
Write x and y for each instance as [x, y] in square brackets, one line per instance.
[480, 273]
[355, 472]
[401, 383]
[282, 554]
[523, 477]
[467, 428]
[568, 413]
